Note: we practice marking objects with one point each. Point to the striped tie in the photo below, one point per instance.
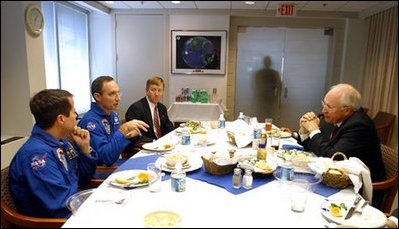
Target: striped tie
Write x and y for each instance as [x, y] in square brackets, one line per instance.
[158, 132]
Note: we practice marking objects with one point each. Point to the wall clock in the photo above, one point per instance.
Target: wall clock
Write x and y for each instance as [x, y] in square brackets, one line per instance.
[34, 20]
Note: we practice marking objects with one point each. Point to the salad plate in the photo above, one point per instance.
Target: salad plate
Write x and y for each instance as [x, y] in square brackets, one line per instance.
[130, 178]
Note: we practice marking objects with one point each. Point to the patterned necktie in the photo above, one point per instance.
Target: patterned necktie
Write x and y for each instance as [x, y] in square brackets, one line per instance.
[158, 132]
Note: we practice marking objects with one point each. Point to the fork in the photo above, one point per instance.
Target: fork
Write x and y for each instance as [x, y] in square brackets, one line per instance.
[120, 201]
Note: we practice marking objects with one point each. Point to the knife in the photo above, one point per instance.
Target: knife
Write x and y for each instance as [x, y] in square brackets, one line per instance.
[353, 207]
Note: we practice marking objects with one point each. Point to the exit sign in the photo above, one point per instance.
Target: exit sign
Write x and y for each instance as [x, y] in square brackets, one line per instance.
[286, 10]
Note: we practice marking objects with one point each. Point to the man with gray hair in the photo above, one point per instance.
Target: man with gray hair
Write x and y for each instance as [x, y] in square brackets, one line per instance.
[345, 128]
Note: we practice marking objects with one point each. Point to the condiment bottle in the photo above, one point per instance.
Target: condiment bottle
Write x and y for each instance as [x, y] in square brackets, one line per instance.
[261, 153]
[247, 179]
[237, 178]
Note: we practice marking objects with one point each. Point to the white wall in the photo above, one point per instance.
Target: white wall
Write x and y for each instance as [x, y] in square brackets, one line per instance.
[22, 69]
[8, 150]
[355, 50]
[199, 22]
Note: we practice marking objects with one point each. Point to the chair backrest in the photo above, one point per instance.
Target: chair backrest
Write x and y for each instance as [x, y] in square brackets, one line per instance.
[390, 184]
[11, 218]
[384, 122]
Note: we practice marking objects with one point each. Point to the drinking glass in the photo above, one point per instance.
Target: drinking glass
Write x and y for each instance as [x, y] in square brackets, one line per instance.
[268, 124]
[155, 183]
[299, 192]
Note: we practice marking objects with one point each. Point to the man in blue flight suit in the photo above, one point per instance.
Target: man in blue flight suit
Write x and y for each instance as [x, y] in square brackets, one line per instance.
[48, 169]
[108, 137]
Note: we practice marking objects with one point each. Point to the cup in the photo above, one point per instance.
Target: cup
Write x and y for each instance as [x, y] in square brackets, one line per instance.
[268, 124]
[299, 191]
[155, 170]
[275, 142]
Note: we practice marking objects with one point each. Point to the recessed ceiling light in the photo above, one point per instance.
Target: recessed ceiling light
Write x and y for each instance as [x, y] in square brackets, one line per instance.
[109, 2]
[249, 2]
[175, 2]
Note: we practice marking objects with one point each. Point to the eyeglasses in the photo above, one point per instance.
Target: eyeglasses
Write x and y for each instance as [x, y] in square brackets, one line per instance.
[77, 115]
[326, 106]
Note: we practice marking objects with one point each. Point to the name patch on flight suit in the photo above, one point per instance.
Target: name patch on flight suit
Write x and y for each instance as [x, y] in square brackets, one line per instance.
[106, 126]
[38, 161]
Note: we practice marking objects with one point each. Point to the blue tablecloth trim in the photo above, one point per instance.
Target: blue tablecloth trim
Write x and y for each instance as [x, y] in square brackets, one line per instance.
[223, 181]
[140, 163]
[324, 190]
[289, 147]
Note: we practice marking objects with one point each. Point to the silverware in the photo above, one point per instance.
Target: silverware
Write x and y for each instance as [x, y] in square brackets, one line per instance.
[363, 206]
[353, 207]
[120, 201]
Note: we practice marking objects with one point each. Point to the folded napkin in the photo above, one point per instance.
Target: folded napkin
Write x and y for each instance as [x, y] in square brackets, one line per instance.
[243, 133]
[357, 171]
[292, 146]
[360, 176]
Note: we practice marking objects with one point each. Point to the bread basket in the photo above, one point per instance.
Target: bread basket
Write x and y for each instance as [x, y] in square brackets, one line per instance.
[336, 178]
[212, 168]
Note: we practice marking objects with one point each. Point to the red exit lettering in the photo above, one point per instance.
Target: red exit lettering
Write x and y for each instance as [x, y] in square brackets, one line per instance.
[286, 10]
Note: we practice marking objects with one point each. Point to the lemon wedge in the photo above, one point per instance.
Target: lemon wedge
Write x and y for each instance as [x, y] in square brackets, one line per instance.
[335, 211]
[122, 181]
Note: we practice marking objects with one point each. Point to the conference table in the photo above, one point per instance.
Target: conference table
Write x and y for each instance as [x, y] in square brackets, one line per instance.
[205, 203]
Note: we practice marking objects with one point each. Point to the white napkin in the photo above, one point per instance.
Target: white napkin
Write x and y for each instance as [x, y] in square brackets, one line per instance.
[357, 171]
[359, 174]
[242, 133]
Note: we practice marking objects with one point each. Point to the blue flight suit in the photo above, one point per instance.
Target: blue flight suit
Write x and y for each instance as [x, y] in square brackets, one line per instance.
[45, 172]
[105, 136]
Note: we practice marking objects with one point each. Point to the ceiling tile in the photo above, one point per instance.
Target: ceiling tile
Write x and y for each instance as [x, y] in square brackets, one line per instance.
[213, 4]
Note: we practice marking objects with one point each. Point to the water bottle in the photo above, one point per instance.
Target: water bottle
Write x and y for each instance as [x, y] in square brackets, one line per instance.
[221, 122]
[185, 136]
[178, 179]
[241, 116]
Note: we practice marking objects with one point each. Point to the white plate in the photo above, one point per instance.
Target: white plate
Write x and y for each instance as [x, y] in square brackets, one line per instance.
[193, 164]
[129, 175]
[251, 164]
[281, 134]
[157, 146]
[370, 217]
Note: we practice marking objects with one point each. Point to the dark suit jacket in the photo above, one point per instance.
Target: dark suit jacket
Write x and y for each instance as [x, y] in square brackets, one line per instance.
[356, 137]
[141, 110]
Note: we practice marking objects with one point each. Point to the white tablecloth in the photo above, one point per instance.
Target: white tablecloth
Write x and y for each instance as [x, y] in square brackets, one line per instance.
[186, 111]
[206, 205]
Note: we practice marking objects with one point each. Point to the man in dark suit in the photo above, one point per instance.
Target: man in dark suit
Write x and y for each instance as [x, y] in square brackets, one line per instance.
[151, 111]
[345, 128]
